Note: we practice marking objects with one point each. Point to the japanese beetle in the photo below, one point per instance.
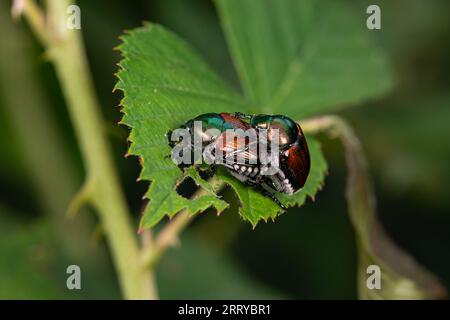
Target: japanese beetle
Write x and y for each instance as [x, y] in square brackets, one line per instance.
[200, 132]
[292, 153]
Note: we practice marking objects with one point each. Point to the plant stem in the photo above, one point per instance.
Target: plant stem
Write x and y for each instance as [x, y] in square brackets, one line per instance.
[65, 49]
[166, 238]
[27, 109]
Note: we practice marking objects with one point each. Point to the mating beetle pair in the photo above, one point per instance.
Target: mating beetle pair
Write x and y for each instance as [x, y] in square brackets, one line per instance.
[293, 155]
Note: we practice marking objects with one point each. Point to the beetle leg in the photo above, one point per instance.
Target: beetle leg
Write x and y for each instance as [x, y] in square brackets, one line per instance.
[257, 184]
[253, 183]
[212, 169]
[272, 196]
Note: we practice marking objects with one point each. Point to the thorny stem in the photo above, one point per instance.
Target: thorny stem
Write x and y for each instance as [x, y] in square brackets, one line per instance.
[27, 108]
[65, 49]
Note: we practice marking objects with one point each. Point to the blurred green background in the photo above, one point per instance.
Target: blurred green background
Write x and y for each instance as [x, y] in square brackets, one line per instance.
[307, 253]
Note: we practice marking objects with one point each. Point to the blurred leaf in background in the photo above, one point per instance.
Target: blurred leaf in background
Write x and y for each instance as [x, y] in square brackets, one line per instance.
[27, 267]
[34, 263]
[302, 58]
[180, 276]
[405, 134]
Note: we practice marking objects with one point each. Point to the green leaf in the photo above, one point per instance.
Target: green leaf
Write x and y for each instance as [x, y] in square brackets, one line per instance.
[303, 57]
[293, 58]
